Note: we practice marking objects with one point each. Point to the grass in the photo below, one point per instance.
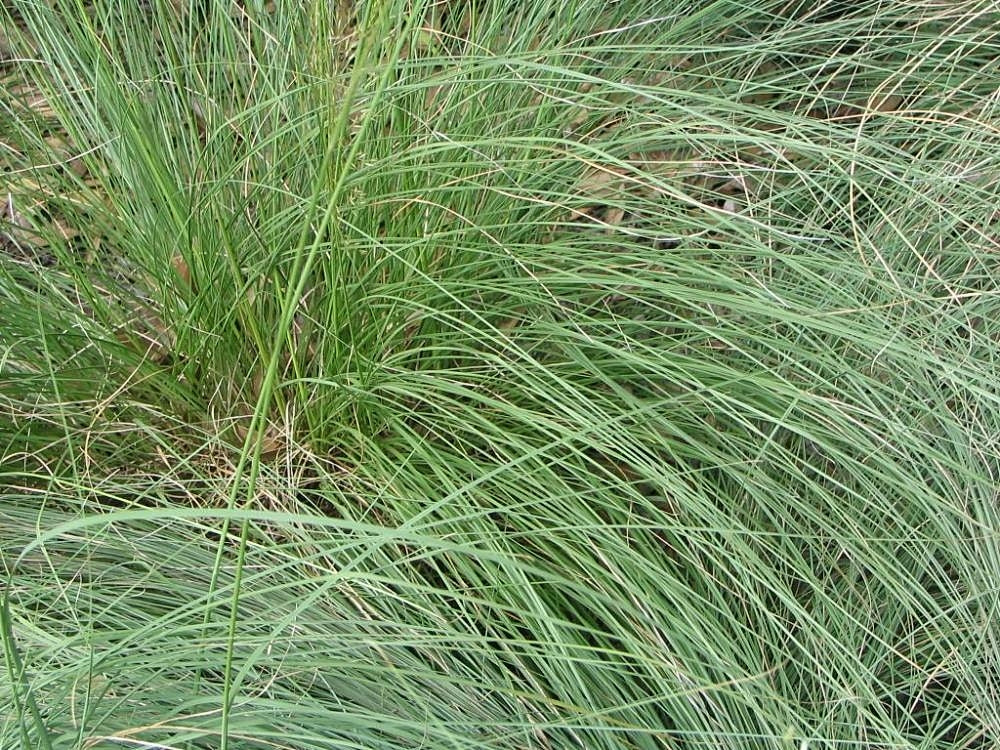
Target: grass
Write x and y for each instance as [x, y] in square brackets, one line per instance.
[488, 375]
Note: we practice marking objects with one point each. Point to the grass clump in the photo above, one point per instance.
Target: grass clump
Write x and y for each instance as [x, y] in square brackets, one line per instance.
[465, 375]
